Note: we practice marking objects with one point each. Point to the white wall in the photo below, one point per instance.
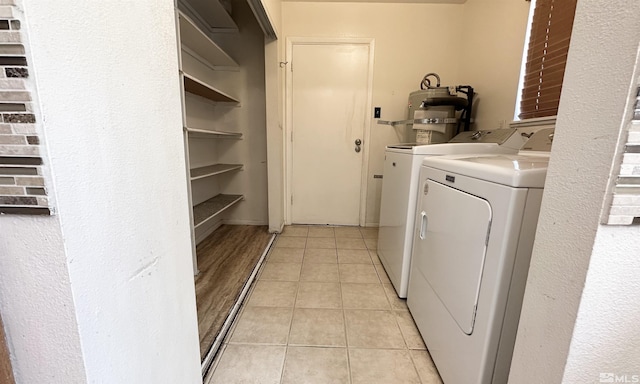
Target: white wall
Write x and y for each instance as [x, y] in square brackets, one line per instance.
[36, 302]
[35, 293]
[275, 135]
[605, 337]
[274, 112]
[107, 78]
[477, 43]
[273, 8]
[580, 311]
[493, 38]
[409, 43]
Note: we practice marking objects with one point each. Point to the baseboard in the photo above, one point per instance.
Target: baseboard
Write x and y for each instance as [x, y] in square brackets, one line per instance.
[281, 228]
[245, 222]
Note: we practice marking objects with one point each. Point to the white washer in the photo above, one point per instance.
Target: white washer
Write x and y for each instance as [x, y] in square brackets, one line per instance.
[475, 227]
[398, 204]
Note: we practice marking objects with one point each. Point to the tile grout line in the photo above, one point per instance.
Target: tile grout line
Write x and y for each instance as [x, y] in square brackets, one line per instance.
[413, 362]
[293, 313]
[344, 319]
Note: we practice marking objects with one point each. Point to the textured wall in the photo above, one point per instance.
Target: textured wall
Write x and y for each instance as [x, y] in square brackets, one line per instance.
[591, 331]
[36, 302]
[119, 262]
[605, 338]
[35, 290]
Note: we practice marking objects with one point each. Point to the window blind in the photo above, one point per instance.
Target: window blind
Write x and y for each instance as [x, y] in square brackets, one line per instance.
[546, 57]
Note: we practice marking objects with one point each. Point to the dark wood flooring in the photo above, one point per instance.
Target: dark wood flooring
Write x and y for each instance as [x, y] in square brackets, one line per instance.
[225, 260]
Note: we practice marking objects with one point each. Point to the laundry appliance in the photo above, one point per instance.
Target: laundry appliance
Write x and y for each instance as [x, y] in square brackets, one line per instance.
[474, 232]
[399, 190]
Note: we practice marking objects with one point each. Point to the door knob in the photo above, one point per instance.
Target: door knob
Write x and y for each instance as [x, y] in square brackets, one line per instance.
[358, 141]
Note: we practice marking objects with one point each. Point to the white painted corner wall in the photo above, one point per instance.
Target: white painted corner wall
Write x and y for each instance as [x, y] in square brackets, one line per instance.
[274, 78]
[36, 302]
[103, 292]
[490, 57]
[580, 311]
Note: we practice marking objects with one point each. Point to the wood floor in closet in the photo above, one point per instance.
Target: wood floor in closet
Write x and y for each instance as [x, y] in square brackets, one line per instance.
[225, 261]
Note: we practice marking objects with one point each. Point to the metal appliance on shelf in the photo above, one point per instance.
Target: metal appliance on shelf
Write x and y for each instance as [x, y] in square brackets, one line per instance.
[436, 113]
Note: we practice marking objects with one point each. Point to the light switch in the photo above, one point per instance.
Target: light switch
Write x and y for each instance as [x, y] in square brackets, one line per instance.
[376, 112]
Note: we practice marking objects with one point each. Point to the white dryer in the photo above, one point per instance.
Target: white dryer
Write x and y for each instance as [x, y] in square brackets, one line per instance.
[398, 204]
[475, 227]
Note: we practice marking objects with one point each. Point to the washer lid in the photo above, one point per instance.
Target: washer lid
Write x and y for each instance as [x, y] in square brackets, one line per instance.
[498, 136]
[449, 148]
[515, 170]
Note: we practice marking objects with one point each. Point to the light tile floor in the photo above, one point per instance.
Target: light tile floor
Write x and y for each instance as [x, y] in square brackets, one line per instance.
[324, 311]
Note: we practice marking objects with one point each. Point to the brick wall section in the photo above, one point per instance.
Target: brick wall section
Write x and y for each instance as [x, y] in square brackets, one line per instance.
[625, 205]
[22, 186]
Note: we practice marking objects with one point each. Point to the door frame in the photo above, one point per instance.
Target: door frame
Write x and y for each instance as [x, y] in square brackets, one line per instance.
[288, 147]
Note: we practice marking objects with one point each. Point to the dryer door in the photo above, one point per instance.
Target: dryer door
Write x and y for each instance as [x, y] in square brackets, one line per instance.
[455, 229]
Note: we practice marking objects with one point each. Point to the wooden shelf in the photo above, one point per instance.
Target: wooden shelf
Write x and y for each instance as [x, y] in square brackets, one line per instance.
[200, 88]
[211, 208]
[198, 43]
[211, 134]
[212, 13]
[212, 170]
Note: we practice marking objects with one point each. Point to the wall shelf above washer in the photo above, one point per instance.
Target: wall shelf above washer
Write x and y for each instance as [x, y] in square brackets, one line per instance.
[201, 88]
[213, 170]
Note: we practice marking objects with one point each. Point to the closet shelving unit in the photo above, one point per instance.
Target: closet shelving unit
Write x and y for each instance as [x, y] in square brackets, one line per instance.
[209, 55]
[213, 170]
[201, 88]
[211, 14]
[212, 134]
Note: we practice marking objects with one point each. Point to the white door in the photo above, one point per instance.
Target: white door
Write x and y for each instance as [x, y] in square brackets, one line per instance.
[329, 95]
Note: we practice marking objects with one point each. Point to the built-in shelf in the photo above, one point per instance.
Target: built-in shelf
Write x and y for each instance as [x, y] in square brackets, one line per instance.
[212, 13]
[201, 46]
[201, 88]
[211, 134]
[211, 208]
[212, 170]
